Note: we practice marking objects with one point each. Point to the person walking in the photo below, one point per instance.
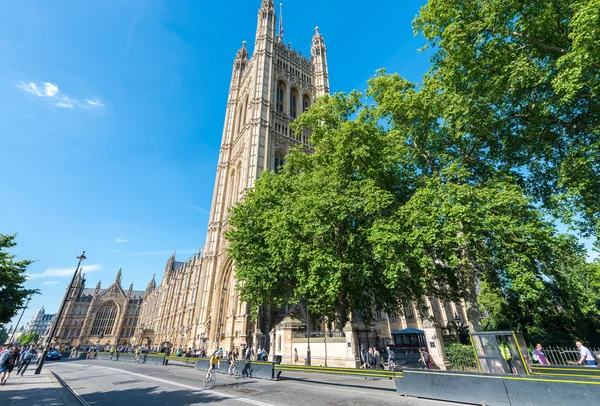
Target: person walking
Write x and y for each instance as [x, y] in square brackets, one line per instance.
[8, 360]
[26, 357]
[425, 358]
[295, 355]
[377, 358]
[586, 356]
[391, 359]
[538, 355]
[364, 357]
[507, 355]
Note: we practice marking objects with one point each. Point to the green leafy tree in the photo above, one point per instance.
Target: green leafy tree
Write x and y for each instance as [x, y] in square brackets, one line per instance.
[12, 278]
[3, 335]
[304, 234]
[29, 338]
[522, 80]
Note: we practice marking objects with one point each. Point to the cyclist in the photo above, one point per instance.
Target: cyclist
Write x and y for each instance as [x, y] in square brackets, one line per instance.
[214, 360]
[231, 358]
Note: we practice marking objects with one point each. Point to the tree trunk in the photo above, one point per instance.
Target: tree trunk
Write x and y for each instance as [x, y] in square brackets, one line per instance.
[469, 277]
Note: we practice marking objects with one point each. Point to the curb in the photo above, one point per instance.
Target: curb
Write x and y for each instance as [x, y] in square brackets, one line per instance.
[65, 385]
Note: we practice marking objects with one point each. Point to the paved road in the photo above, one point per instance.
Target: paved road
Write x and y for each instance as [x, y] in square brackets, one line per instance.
[118, 383]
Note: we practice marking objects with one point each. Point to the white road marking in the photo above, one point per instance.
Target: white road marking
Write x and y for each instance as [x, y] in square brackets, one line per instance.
[181, 385]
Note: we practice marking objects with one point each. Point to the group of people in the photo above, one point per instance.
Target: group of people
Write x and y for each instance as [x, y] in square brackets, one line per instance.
[12, 356]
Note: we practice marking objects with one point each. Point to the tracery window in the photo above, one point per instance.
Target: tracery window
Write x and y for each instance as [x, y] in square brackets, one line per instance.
[280, 96]
[294, 103]
[279, 160]
[105, 319]
[305, 102]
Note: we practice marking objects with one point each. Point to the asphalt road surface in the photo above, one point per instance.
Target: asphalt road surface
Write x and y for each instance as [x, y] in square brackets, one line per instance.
[119, 383]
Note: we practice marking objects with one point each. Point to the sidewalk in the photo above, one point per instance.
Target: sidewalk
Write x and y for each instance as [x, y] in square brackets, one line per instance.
[35, 390]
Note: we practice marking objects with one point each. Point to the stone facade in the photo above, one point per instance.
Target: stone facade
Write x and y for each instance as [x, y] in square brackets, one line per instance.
[196, 304]
[40, 323]
[268, 90]
[169, 314]
[96, 316]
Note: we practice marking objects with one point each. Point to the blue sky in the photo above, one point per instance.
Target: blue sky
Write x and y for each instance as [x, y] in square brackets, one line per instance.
[111, 116]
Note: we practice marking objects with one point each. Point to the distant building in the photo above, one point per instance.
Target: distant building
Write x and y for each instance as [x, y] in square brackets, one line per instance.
[40, 324]
[96, 316]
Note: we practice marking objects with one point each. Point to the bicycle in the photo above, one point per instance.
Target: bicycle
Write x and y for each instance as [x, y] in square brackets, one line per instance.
[210, 379]
[233, 370]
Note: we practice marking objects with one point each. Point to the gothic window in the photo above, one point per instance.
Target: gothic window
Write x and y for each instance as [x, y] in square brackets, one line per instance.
[280, 96]
[409, 312]
[294, 103]
[305, 102]
[279, 160]
[105, 319]
[245, 109]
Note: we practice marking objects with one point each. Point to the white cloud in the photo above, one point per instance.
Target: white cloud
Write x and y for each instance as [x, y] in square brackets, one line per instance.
[63, 272]
[194, 207]
[121, 241]
[96, 104]
[162, 252]
[30, 88]
[50, 91]
[51, 283]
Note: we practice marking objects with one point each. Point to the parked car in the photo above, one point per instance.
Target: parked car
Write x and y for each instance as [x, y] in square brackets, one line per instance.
[53, 355]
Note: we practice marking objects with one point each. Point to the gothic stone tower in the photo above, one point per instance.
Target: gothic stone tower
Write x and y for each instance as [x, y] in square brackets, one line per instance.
[268, 91]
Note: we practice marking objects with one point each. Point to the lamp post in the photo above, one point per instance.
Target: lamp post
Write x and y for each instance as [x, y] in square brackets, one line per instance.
[307, 335]
[19, 321]
[59, 315]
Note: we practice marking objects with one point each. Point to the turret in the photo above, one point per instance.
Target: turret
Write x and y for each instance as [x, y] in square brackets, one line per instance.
[118, 278]
[318, 52]
[130, 290]
[97, 290]
[151, 285]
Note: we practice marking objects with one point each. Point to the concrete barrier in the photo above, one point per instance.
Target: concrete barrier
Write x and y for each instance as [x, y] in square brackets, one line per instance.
[248, 369]
[566, 371]
[105, 356]
[154, 359]
[498, 390]
[379, 373]
[127, 357]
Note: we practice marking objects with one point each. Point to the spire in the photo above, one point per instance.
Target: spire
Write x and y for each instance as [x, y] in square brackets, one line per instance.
[268, 5]
[151, 284]
[98, 285]
[118, 278]
[242, 56]
[130, 287]
[318, 53]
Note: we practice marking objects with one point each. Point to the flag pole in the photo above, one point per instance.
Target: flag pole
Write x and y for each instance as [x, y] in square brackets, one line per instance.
[281, 21]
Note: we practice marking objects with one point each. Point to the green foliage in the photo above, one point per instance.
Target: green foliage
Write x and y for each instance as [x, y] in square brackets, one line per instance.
[461, 357]
[3, 335]
[441, 187]
[29, 338]
[12, 278]
[522, 79]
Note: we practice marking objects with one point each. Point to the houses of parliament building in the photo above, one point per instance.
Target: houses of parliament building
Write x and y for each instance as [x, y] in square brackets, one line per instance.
[196, 304]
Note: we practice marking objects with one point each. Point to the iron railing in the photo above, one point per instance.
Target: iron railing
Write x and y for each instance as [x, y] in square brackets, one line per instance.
[564, 356]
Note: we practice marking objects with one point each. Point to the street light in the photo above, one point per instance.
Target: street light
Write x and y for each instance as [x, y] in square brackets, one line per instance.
[59, 315]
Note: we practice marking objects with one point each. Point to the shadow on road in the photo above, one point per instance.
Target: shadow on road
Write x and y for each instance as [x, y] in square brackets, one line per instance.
[150, 396]
[347, 385]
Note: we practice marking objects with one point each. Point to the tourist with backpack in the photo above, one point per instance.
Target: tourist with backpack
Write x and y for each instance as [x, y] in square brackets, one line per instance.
[425, 358]
[538, 355]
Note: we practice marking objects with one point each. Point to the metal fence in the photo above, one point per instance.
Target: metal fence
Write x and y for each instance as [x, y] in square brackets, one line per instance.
[319, 334]
[564, 356]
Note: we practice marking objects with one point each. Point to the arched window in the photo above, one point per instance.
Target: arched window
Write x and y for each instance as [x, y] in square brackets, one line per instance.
[105, 319]
[245, 109]
[294, 103]
[305, 102]
[280, 96]
[279, 160]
